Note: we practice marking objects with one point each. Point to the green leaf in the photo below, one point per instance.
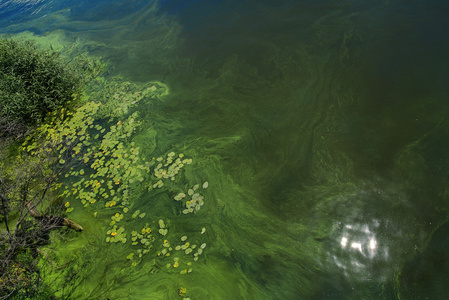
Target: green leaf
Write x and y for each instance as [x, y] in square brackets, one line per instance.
[135, 214]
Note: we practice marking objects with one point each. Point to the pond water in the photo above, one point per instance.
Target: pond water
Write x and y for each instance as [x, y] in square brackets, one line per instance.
[321, 128]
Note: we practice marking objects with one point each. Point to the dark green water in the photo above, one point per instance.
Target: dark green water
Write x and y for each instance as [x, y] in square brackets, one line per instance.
[321, 127]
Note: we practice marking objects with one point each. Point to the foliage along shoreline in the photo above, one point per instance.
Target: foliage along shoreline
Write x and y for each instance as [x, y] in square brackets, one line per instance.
[82, 151]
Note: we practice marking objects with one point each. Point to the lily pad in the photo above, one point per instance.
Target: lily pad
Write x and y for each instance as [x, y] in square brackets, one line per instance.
[135, 214]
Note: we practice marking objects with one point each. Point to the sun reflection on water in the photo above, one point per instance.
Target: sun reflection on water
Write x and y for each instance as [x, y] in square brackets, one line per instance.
[357, 251]
[364, 244]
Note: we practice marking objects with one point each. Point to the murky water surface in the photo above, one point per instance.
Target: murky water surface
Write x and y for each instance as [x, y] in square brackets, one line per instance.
[320, 127]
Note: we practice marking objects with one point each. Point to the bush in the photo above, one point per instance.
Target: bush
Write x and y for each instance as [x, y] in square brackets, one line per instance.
[34, 82]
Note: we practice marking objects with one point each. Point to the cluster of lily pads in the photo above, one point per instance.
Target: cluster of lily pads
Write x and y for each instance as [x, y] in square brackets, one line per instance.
[116, 235]
[107, 164]
[191, 252]
[194, 202]
[144, 239]
[113, 166]
[168, 168]
[116, 218]
[162, 229]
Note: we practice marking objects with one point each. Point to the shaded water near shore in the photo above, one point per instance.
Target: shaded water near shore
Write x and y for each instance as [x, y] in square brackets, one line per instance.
[321, 129]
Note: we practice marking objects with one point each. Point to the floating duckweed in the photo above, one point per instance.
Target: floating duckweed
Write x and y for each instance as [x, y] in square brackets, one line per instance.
[130, 256]
[183, 238]
[203, 230]
[193, 246]
[125, 209]
[163, 232]
[142, 215]
[205, 185]
[161, 224]
[175, 259]
[190, 192]
[195, 258]
[178, 247]
[200, 251]
[168, 266]
[203, 246]
[183, 272]
[190, 270]
[188, 250]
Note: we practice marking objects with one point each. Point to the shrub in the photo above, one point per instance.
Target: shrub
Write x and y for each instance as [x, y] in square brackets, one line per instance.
[34, 82]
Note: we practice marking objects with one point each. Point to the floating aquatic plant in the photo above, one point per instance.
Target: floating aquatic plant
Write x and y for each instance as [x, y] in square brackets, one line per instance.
[116, 235]
[135, 214]
[168, 168]
[194, 202]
